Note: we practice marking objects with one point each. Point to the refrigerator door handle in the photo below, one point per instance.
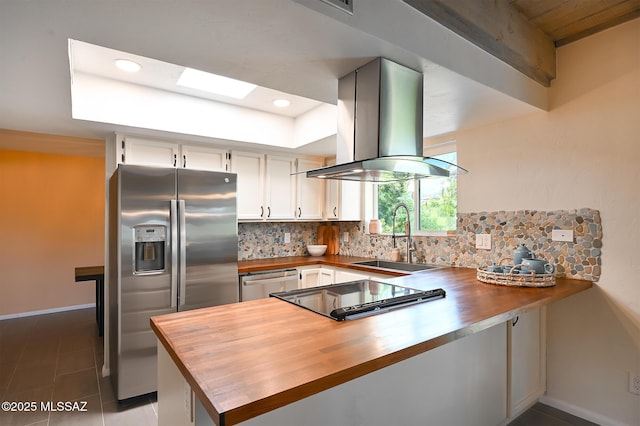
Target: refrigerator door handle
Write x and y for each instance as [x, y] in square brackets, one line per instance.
[174, 253]
[183, 252]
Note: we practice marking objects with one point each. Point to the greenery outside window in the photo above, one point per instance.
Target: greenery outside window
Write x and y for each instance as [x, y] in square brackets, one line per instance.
[436, 199]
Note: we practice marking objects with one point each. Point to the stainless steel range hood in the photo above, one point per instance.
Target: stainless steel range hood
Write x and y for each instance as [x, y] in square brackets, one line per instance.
[380, 127]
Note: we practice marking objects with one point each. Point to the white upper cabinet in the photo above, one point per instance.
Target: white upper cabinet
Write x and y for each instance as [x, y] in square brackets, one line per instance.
[147, 152]
[281, 188]
[266, 186]
[343, 200]
[310, 191]
[249, 167]
[197, 157]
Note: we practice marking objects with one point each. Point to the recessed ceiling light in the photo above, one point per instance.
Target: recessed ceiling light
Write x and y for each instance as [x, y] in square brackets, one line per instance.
[214, 83]
[281, 103]
[127, 65]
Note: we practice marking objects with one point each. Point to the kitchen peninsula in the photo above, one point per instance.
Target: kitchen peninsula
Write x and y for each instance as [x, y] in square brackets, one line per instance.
[270, 362]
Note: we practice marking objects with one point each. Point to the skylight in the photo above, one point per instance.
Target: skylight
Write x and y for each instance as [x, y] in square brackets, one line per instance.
[213, 83]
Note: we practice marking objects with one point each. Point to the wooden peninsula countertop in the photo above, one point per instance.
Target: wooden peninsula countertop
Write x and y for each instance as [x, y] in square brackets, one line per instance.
[246, 359]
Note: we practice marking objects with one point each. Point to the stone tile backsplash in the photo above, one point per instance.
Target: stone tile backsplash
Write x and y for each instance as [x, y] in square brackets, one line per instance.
[579, 259]
[266, 239]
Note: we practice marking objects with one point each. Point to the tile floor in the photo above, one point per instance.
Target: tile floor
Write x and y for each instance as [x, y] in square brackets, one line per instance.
[543, 415]
[58, 357]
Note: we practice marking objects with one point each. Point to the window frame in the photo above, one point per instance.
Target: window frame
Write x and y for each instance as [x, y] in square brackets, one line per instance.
[434, 150]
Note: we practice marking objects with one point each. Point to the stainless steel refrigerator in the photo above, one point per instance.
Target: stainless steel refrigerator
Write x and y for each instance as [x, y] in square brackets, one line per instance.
[173, 246]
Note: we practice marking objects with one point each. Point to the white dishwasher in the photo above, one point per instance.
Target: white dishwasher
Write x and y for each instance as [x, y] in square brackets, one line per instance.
[258, 285]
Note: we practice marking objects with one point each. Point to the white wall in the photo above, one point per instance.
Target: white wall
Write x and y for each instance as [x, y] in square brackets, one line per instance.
[584, 152]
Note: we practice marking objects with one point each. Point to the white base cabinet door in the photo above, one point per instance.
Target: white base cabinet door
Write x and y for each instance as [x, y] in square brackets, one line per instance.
[176, 401]
[343, 276]
[526, 339]
[314, 277]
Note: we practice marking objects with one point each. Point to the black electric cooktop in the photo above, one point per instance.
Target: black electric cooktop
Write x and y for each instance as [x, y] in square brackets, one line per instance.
[356, 299]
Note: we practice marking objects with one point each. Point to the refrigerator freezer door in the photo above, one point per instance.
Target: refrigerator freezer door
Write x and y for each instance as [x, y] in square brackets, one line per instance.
[144, 196]
[210, 253]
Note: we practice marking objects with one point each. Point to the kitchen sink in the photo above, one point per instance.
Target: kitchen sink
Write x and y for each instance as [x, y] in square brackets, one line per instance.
[394, 266]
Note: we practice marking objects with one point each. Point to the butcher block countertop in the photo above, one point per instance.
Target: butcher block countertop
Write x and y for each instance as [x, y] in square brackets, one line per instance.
[246, 359]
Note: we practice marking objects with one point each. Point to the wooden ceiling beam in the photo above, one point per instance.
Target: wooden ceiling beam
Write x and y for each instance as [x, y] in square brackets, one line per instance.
[498, 28]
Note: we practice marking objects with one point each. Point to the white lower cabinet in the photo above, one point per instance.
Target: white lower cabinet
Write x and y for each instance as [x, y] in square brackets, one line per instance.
[526, 339]
[314, 277]
[175, 399]
[460, 383]
[324, 275]
[484, 378]
[344, 275]
[488, 377]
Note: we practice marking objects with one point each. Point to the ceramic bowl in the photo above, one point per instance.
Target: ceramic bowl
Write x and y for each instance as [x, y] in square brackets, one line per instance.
[316, 249]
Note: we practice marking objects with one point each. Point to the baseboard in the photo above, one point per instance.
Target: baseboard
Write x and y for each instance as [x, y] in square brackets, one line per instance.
[47, 311]
[579, 411]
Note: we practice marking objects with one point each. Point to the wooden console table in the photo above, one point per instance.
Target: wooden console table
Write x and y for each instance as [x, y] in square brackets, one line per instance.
[95, 273]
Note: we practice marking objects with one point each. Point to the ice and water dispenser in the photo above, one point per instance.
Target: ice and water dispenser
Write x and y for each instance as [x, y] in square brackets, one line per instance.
[150, 242]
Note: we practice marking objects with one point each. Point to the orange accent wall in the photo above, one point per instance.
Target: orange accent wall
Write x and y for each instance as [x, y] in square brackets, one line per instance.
[51, 220]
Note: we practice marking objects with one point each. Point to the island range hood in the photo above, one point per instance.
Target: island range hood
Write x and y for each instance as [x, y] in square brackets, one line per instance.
[380, 127]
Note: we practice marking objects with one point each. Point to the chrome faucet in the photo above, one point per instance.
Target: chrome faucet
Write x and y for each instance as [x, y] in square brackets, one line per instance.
[410, 250]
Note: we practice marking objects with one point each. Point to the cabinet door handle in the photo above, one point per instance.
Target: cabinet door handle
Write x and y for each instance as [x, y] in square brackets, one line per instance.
[268, 211]
[261, 211]
[334, 212]
[184, 161]
[175, 160]
[299, 212]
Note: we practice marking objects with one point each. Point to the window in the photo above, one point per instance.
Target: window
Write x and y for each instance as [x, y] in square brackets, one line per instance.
[436, 199]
